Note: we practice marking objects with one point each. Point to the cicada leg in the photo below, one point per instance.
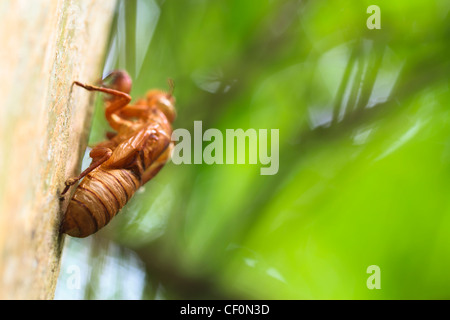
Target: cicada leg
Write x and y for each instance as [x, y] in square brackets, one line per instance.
[120, 101]
[99, 155]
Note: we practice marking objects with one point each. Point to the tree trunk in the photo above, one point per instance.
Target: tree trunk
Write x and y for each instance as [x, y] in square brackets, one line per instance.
[44, 123]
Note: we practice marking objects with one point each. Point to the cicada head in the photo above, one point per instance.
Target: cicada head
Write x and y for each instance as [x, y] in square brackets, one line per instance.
[164, 101]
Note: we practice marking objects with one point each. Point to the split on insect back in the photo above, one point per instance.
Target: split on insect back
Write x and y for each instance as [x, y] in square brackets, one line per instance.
[129, 158]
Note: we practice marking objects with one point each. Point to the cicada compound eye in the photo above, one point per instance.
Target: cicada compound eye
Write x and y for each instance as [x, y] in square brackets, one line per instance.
[118, 80]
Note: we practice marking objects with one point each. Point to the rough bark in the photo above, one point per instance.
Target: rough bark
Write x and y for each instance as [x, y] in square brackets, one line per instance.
[46, 45]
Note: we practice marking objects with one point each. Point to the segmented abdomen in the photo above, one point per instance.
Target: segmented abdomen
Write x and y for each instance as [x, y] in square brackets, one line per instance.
[97, 199]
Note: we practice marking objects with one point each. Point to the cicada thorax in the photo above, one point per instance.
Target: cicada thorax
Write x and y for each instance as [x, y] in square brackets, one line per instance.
[97, 199]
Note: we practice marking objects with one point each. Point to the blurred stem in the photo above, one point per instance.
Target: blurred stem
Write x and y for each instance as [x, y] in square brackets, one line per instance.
[130, 37]
[98, 250]
[355, 90]
[370, 78]
[338, 103]
[178, 283]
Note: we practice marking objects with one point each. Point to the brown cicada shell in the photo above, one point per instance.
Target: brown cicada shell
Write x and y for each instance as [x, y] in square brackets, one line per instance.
[130, 157]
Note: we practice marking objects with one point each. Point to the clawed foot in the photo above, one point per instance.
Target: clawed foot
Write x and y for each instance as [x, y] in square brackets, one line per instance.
[69, 182]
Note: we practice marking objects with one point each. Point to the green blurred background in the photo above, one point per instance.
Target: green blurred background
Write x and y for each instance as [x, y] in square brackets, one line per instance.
[364, 123]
